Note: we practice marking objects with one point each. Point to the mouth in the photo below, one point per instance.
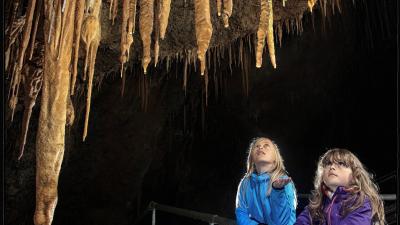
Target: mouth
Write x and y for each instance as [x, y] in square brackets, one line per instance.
[260, 153]
[332, 174]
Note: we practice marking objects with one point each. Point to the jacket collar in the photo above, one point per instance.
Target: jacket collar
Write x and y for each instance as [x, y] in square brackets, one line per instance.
[340, 193]
[260, 177]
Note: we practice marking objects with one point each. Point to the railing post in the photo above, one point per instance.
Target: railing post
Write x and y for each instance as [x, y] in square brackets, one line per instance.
[213, 220]
[153, 217]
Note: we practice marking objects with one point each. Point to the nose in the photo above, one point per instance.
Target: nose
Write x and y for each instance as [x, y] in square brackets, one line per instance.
[332, 166]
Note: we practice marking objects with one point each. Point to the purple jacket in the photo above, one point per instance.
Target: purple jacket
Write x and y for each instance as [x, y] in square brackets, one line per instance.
[332, 207]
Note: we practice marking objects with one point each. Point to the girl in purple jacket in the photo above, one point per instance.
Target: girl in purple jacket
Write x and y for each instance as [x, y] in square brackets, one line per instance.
[344, 193]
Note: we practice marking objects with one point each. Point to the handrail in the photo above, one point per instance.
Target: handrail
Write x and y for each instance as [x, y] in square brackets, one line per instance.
[205, 217]
[215, 219]
[385, 197]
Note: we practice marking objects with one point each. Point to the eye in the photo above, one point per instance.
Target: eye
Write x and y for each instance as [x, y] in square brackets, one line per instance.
[341, 163]
[327, 163]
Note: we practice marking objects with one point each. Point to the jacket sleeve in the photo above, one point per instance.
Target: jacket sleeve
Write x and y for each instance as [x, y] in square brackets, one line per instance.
[360, 216]
[283, 205]
[304, 218]
[242, 214]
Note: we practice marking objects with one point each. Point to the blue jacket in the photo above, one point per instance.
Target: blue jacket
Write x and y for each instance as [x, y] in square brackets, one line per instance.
[332, 208]
[253, 206]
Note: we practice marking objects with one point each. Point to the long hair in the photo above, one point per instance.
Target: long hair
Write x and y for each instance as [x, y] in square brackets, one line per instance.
[361, 186]
[279, 169]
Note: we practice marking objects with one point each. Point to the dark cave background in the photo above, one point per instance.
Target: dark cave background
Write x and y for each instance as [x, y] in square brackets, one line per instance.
[335, 86]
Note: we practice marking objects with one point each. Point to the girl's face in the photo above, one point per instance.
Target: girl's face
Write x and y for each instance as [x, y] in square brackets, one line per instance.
[263, 154]
[337, 173]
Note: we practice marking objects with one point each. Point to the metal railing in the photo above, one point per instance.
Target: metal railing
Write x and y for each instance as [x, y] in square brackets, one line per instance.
[205, 217]
[213, 219]
[384, 197]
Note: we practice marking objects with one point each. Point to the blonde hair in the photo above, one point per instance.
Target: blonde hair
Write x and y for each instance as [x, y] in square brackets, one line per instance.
[361, 186]
[279, 169]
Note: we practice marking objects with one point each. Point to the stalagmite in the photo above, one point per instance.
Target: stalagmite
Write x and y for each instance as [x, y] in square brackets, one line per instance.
[265, 28]
[80, 7]
[52, 120]
[146, 28]
[32, 74]
[91, 34]
[203, 30]
[163, 17]
[227, 12]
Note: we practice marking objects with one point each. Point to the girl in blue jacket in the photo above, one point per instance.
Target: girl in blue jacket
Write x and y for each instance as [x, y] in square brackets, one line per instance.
[266, 194]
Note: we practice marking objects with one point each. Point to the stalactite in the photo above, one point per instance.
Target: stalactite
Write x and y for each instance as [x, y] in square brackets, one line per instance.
[203, 30]
[147, 88]
[12, 33]
[26, 33]
[32, 74]
[61, 35]
[80, 8]
[91, 35]
[123, 83]
[324, 6]
[194, 60]
[124, 35]
[37, 18]
[185, 75]
[157, 31]
[12, 16]
[163, 17]
[280, 33]
[208, 56]
[131, 25]
[52, 120]
[202, 113]
[146, 28]
[206, 86]
[227, 12]
[230, 57]
[265, 29]
[338, 6]
[132, 17]
[234, 54]
[215, 60]
[311, 4]
[70, 117]
[246, 73]
[113, 10]
[219, 7]
[16, 72]
[13, 29]
[168, 64]
[287, 26]
[215, 86]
